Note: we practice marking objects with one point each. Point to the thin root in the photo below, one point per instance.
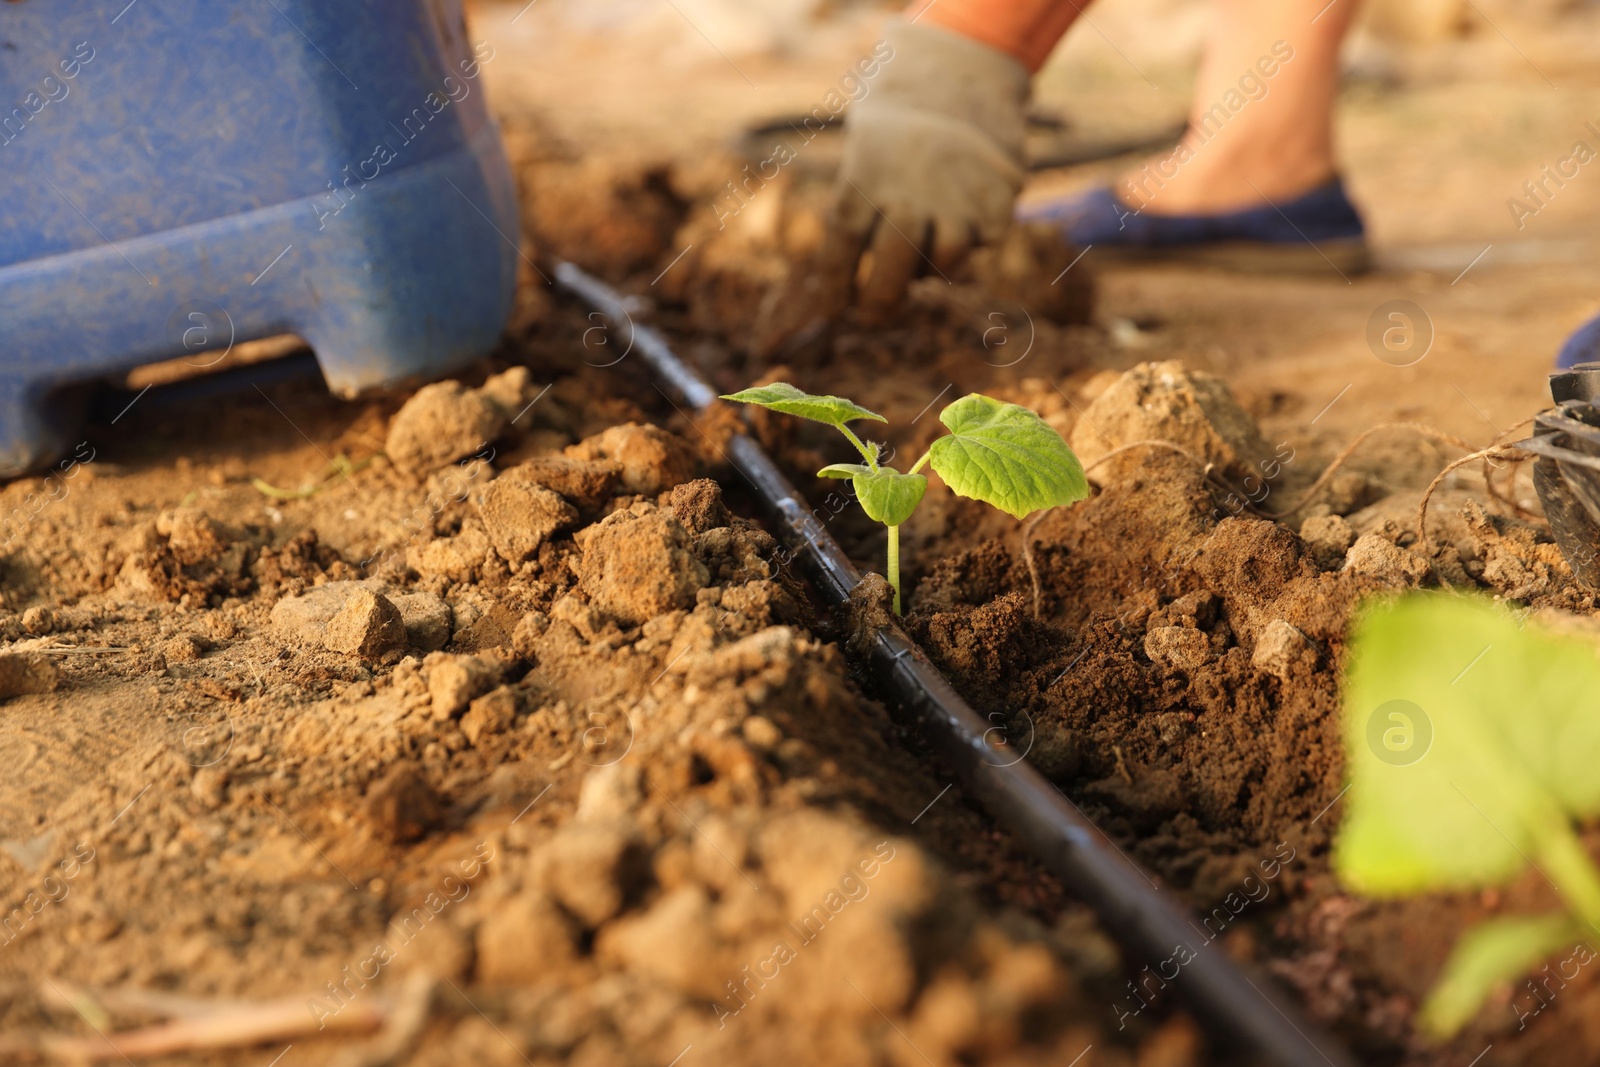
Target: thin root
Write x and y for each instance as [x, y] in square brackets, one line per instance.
[1492, 452]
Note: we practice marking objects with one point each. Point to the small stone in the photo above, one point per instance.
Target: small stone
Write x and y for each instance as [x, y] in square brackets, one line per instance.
[531, 627]
[401, 806]
[673, 941]
[1177, 647]
[455, 681]
[27, 672]
[491, 628]
[1280, 648]
[493, 713]
[579, 614]
[1327, 538]
[368, 626]
[39, 620]
[1379, 558]
[518, 517]
[652, 459]
[455, 559]
[426, 618]
[440, 424]
[304, 618]
[1200, 607]
[1348, 491]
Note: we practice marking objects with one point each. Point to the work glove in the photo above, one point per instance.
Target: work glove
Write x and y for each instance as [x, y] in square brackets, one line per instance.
[933, 161]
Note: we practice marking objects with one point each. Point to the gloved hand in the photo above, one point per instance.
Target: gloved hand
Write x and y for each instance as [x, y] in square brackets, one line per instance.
[933, 161]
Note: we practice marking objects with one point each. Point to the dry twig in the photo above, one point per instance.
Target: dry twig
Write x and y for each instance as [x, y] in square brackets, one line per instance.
[191, 1026]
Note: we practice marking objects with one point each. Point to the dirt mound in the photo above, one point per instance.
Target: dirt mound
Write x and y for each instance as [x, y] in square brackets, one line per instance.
[1176, 668]
[562, 772]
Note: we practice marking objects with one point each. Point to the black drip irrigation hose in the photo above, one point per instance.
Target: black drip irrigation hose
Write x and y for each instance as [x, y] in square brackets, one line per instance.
[1149, 925]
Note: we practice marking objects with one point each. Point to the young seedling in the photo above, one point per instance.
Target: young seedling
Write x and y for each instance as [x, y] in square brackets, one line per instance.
[999, 453]
[1471, 743]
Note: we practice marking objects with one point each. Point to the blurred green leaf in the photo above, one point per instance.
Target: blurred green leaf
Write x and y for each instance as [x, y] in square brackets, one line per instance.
[1470, 745]
[1514, 741]
[1491, 954]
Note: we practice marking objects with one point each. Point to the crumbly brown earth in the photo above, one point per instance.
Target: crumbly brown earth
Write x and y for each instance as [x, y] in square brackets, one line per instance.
[1170, 650]
[1171, 656]
[442, 772]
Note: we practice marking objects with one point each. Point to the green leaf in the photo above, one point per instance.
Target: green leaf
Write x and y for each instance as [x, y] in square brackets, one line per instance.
[889, 497]
[886, 495]
[1005, 455]
[1488, 955]
[1470, 744]
[781, 396]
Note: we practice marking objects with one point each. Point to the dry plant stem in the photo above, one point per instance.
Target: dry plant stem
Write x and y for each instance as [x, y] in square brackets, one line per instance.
[1492, 452]
[1027, 557]
[1507, 495]
[132, 1001]
[1348, 450]
[77, 650]
[230, 1025]
[412, 1008]
[1510, 499]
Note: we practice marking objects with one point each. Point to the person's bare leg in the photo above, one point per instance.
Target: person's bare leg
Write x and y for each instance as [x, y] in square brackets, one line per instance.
[1277, 143]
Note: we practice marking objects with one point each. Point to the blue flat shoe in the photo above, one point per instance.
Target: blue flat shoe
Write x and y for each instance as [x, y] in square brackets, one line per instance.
[1308, 234]
[1581, 347]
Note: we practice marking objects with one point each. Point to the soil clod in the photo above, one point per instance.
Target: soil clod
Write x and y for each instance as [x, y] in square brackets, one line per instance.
[1376, 556]
[440, 424]
[637, 564]
[1168, 402]
[519, 516]
[22, 673]
[368, 626]
[652, 460]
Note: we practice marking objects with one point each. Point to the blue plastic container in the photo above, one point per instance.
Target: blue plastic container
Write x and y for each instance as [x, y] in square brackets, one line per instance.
[185, 174]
